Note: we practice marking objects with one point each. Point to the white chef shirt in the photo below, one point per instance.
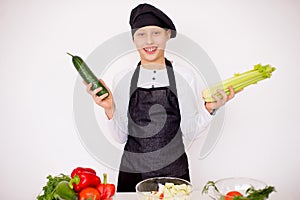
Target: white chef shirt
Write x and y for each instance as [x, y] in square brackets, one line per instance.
[153, 78]
[194, 116]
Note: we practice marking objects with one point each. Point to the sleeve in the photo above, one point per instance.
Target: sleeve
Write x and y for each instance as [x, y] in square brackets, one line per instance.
[119, 123]
[195, 118]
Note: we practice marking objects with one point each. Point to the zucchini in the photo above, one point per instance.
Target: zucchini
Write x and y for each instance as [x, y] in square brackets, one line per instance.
[87, 75]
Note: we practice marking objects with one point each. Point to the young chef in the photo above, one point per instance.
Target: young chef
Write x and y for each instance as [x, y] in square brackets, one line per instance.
[155, 109]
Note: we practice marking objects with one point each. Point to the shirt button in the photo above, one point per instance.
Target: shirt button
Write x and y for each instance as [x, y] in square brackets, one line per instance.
[154, 71]
[153, 78]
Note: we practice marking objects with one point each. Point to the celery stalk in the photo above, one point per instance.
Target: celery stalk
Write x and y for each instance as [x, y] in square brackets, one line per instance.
[239, 81]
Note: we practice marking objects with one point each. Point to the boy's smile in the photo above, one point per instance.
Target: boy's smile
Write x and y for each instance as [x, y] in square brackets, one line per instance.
[150, 50]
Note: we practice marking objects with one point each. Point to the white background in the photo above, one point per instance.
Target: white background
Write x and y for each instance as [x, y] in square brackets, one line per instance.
[260, 137]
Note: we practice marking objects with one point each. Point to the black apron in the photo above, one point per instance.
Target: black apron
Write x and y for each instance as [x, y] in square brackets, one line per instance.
[154, 146]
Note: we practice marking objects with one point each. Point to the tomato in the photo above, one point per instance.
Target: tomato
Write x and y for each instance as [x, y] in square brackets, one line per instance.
[89, 193]
[161, 195]
[231, 194]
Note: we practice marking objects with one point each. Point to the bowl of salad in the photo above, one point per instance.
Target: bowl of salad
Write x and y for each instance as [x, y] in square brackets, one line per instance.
[239, 188]
[166, 188]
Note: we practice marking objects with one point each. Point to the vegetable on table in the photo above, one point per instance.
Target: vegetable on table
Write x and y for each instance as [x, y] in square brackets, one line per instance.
[87, 75]
[82, 178]
[239, 81]
[89, 193]
[81, 184]
[50, 191]
[106, 190]
[63, 191]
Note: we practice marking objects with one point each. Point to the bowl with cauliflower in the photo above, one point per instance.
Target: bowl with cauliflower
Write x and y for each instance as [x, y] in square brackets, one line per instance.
[166, 188]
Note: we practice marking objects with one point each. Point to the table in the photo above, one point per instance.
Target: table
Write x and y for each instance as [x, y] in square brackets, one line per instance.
[196, 195]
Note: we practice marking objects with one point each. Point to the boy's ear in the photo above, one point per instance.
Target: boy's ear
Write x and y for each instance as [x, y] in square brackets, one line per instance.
[169, 32]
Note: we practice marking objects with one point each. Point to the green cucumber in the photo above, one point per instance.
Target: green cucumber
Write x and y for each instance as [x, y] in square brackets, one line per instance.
[87, 75]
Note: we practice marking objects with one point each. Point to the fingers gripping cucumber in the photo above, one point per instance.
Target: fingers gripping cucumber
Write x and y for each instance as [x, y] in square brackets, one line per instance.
[87, 75]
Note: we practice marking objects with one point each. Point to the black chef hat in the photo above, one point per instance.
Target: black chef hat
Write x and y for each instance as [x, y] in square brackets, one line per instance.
[148, 15]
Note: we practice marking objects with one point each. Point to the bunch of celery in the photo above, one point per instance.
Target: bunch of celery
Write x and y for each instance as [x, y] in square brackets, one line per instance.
[239, 81]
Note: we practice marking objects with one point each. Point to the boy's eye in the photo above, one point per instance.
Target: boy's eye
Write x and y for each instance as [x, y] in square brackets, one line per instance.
[156, 32]
[141, 34]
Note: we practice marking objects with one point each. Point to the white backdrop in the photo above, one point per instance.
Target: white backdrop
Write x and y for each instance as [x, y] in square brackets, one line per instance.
[260, 137]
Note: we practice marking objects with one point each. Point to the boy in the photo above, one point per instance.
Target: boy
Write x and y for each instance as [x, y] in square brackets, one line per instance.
[153, 137]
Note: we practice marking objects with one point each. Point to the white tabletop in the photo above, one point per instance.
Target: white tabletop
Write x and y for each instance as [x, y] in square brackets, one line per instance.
[196, 195]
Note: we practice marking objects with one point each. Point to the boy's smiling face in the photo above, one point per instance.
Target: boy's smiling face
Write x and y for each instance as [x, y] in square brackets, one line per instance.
[150, 42]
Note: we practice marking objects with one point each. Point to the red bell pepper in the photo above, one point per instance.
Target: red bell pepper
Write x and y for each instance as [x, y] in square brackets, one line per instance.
[106, 190]
[82, 178]
[82, 170]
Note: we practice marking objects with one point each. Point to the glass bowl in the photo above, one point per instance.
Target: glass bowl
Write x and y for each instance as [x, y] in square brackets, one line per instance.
[146, 189]
[240, 184]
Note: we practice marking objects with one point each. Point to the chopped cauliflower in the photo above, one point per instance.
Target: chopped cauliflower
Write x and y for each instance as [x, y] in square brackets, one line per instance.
[170, 191]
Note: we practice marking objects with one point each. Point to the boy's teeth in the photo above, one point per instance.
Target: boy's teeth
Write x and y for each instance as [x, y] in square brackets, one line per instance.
[150, 49]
